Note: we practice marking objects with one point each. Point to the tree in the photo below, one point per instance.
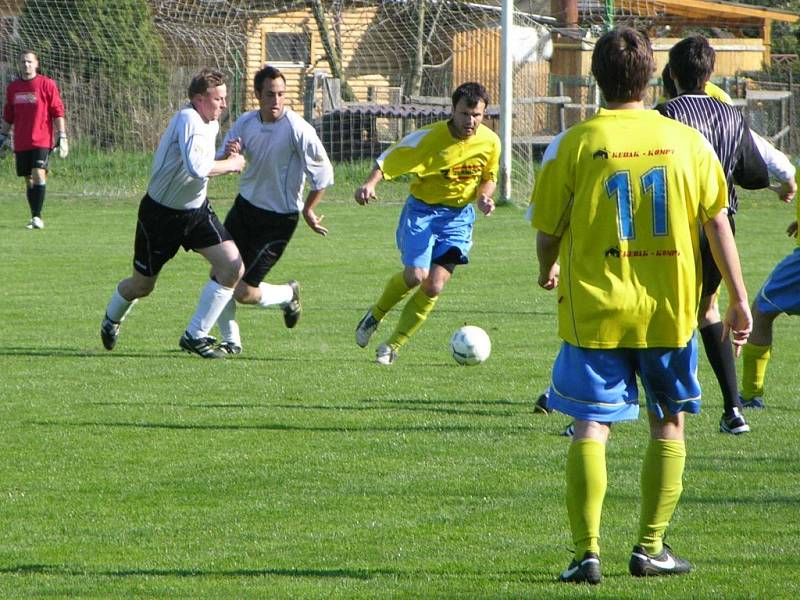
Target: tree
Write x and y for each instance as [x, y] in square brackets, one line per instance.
[785, 37]
[332, 51]
[99, 51]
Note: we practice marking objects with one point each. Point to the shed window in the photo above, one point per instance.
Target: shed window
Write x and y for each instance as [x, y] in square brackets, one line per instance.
[288, 48]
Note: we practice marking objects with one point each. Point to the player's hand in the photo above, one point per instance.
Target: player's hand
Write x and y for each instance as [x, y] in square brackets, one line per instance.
[738, 323]
[486, 205]
[237, 163]
[549, 280]
[364, 194]
[315, 222]
[233, 146]
[62, 146]
[786, 190]
[791, 230]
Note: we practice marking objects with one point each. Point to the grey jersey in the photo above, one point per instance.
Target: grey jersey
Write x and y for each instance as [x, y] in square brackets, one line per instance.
[184, 157]
[279, 157]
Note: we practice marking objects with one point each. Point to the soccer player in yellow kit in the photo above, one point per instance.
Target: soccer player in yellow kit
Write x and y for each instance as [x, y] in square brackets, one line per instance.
[780, 294]
[453, 163]
[617, 206]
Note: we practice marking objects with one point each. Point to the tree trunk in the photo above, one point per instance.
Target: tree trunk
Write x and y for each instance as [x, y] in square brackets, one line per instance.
[334, 61]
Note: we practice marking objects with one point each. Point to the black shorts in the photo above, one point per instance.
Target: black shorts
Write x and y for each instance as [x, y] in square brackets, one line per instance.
[261, 236]
[711, 275]
[161, 231]
[27, 160]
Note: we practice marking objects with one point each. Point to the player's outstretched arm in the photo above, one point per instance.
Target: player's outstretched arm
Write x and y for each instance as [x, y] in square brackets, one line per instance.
[738, 319]
[547, 252]
[779, 167]
[366, 192]
[235, 163]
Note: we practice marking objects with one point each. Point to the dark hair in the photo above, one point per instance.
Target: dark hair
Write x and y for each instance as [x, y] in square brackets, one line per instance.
[670, 91]
[622, 64]
[266, 72]
[692, 62]
[472, 93]
[205, 79]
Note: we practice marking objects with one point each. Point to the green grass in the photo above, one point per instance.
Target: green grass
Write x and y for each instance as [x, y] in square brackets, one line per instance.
[302, 470]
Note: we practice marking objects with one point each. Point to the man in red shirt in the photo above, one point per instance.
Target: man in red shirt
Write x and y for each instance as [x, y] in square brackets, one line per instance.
[34, 109]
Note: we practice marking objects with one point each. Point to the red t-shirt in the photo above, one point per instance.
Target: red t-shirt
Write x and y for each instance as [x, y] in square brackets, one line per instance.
[31, 106]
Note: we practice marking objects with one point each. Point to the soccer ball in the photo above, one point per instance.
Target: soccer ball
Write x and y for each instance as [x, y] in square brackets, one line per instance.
[470, 345]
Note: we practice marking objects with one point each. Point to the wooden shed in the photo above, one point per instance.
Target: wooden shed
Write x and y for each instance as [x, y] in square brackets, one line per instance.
[735, 54]
[291, 41]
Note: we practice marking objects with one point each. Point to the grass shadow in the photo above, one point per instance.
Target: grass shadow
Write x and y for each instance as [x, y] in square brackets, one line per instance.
[284, 427]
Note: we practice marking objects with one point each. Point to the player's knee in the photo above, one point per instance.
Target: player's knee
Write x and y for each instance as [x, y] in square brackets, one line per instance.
[230, 274]
[414, 277]
[136, 288]
[38, 177]
[432, 288]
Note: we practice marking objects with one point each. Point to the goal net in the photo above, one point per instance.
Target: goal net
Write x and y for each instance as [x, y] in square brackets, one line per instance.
[362, 71]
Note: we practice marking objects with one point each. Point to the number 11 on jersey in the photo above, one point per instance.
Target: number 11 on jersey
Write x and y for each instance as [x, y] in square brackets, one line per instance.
[654, 184]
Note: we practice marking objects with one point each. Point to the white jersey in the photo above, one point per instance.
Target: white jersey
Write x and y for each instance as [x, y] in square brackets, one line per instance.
[184, 157]
[279, 157]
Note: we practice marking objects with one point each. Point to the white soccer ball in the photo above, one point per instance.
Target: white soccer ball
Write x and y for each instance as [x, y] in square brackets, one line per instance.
[470, 345]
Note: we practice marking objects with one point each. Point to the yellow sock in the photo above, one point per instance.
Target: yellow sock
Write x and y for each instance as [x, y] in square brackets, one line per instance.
[662, 484]
[586, 489]
[395, 290]
[413, 316]
[754, 369]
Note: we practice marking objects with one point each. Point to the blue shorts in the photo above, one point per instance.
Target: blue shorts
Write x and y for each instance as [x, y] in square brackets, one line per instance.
[600, 385]
[781, 292]
[425, 232]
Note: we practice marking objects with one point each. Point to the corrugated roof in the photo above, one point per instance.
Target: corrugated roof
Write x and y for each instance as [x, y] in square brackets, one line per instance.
[402, 110]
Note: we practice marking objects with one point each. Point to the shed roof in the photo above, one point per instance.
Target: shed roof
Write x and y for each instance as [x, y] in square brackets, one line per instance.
[709, 9]
[404, 110]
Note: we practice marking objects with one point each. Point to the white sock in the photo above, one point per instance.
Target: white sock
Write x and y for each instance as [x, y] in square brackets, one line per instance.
[228, 327]
[213, 299]
[274, 294]
[118, 308]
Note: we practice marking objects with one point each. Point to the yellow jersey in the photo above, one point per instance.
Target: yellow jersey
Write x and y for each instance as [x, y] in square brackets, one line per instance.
[710, 89]
[626, 191]
[446, 170]
[717, 92]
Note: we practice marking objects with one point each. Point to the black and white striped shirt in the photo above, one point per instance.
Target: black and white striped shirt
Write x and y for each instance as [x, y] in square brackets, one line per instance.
[725, 128]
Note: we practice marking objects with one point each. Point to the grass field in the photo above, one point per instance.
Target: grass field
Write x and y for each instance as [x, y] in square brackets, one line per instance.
[302, 470]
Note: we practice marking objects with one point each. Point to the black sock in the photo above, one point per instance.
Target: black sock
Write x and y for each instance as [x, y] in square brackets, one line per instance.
[36, 199]
[29, 196]
[720, 356]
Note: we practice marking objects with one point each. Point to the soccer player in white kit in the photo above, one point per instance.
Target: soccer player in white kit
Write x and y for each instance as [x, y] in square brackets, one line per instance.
[282, 150]
[175, 212]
